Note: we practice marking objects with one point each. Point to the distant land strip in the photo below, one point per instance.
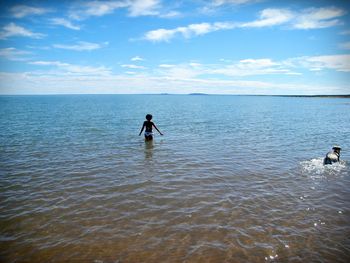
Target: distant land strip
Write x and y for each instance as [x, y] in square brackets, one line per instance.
[298, 96]
[313, 96]
[182, 94]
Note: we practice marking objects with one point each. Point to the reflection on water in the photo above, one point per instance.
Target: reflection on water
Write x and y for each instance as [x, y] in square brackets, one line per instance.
[149, 145]
[230, 184]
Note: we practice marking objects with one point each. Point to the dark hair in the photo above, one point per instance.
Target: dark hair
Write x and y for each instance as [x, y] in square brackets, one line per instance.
[149, 117]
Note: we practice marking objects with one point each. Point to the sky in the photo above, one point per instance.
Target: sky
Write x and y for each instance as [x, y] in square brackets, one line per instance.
[179, 46]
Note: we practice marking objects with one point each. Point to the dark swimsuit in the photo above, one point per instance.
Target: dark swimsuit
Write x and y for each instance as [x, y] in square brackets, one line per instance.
[148, 132]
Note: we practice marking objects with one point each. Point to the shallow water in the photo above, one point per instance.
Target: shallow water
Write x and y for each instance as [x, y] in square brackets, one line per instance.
[234, 179]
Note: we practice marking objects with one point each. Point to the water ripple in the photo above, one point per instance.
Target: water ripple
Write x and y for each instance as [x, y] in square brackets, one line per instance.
[235, 183]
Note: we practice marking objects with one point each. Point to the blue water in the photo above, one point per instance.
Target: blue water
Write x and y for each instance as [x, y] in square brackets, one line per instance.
[233, 179]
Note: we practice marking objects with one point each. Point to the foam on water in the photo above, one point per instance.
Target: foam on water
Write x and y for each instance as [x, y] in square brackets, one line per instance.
[316, 169]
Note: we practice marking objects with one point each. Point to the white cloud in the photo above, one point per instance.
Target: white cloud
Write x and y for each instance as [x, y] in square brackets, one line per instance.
[166, 65]
[224, 77]
[345, 45]
[234, 69]
[12, 30]
[137, 58]
[270, 17]
[131, 66]
[80, 46]
[242, 68]
[20, 11]
[260, 63]
[336, 62]
[14, 54]
[212, 6]
[64, 22]
[95, 8]
[49, 63]
[234, 2]
[170, 14]
[144, 7]
[340, 63]
[194, 64]
[256, 67]
[31, 83]
[312, 18]
[159, 35]
[253, 67]
[180, 71]
[71, 69]
[135, 8]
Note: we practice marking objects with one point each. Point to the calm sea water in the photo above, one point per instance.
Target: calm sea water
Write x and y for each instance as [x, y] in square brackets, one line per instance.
[233, 179]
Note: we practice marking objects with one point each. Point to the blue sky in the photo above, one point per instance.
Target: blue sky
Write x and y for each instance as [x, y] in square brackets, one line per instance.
[158, 46]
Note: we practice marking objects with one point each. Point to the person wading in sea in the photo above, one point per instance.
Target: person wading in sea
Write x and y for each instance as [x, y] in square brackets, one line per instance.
[148, 124]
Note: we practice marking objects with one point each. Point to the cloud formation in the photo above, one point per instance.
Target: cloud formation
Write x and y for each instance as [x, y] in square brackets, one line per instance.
[311, 18]
[13, 30]
[131, 66]
[232, 2]
[14, 54]
[340, 63]
[144, 7]
[170, 69]
[231, 69]
[94, 8]
[253, 67]
[65, 23]
[71, 69]
[100, 8]
[20, 11]
[172, 78]
[159, 35]
[137, 58]
[270, 17]
[144, 83]
[81, 46]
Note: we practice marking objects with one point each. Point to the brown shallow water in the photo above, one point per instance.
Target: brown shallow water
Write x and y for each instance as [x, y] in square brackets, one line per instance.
[76, 189]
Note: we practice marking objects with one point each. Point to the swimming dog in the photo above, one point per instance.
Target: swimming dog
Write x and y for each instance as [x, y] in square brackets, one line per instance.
[333, 156]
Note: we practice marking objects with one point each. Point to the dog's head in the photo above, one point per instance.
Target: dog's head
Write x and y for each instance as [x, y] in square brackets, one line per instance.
[336, 149]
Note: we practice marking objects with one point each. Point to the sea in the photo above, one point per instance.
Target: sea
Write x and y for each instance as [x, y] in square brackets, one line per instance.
[233, 179]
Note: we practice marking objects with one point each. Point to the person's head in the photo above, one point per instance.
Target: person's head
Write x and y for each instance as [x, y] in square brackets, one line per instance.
[149, 117]
[336, 149]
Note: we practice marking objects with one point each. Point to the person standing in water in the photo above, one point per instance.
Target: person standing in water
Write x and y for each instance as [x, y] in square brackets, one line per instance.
[148, 124]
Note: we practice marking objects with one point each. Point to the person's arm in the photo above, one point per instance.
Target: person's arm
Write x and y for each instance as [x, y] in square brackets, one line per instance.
[157, 129]
[143, 126]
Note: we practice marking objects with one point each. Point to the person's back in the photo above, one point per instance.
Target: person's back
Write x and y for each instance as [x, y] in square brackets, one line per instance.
[148, 125]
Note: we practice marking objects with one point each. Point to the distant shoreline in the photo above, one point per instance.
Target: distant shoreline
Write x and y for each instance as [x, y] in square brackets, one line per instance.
[307, 96]
[188, 94]
[260, 95]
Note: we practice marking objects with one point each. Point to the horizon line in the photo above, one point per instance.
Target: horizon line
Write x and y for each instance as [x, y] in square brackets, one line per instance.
[183, 94]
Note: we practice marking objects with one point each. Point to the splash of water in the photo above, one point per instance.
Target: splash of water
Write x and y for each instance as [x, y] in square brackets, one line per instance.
[316, 169]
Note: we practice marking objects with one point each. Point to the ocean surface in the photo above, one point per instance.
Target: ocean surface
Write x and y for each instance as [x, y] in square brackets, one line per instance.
[233, 179]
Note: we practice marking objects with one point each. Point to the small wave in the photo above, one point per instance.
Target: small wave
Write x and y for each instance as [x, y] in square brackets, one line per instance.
[315, 167]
